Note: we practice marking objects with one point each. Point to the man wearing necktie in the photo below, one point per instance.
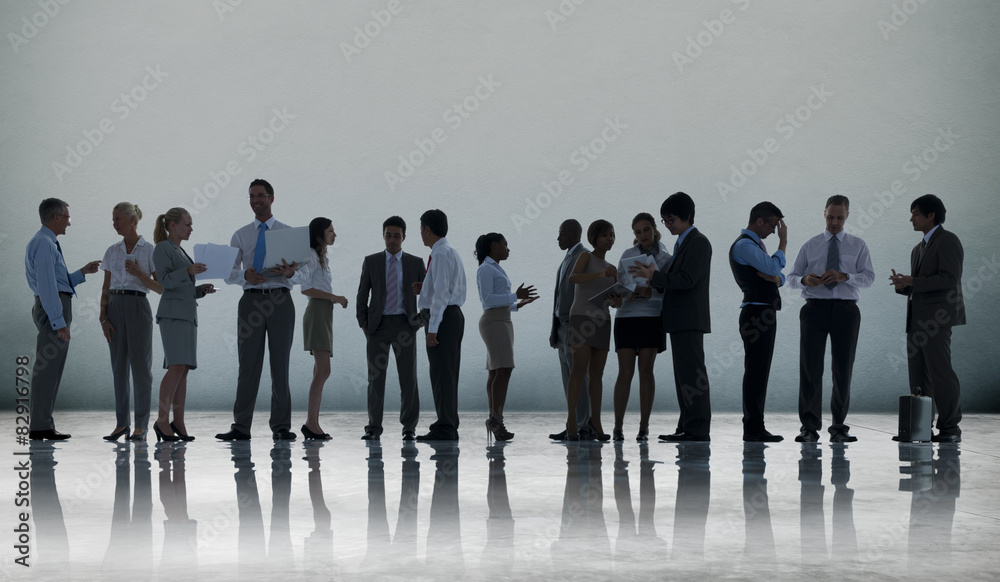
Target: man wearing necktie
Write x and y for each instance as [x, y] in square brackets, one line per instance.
[388, 316]
[830, 269]
[53, 287]
[685, 315]
[266, 314]
[934, 305]
[570, 232]
[758, 276]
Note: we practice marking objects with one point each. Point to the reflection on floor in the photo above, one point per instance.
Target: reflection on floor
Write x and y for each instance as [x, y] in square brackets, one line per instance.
[257, 509]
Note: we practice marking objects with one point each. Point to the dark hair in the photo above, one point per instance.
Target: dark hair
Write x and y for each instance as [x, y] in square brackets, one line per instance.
[394, 221]
[652, 221]
[680, 205]
[316, 228]
[436, 220]
[51, 207]
[572, 226]
[928, 204]
[485, 243]
[261, 182]
[764, 210]
[838, 200]
[596, 229]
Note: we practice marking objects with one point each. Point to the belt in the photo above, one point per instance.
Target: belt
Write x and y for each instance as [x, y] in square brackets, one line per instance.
[267, 291]
[814, 299]
[126, 292]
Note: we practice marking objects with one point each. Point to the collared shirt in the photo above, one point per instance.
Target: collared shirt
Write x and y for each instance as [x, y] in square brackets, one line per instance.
[680, 239]
[930, 233]
[396, 309]
[114, 263]
[245, 239]
[855, 261]
[494, 286]
[315, 274]
[45, 269]
[444, 283]
[641, 306]
[751, 252]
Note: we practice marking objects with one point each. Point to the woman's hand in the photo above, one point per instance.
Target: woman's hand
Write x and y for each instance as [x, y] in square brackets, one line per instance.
[107, 329]
[207, 288]
[526, 293]
[196, 268]
[341, 300]
[610, 272]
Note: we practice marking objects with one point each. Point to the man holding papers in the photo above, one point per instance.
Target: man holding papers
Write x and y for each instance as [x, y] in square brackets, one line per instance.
[265, 313]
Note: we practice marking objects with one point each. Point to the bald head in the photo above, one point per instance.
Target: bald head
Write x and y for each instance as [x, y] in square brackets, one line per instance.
[570, 232]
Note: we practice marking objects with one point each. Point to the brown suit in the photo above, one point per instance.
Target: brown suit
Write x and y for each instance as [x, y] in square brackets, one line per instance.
[935, 304]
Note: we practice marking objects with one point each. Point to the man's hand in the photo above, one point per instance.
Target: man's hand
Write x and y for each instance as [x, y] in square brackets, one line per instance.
[63, 333]
[641, 292]
[90, 268]
[285, 269]
[253, 278]
[812, 280]
[832, 276]
[782, 232]
[900, 281]
[416, 287]
[432, 340]
[640, 270]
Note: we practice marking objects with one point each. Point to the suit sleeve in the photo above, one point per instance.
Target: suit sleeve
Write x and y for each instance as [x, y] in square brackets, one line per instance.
[950, 256]
[169, 279]
[364, 290]
[686, 274]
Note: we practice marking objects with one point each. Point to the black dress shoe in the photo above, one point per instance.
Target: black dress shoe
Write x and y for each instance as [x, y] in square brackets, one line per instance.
[943, 437]
[47, 435]
[841, 436]
[233, 435]
[763, 437]
[370, 436]
[409, 435]
[283, 434]
[558, 436]
[684, 437]
[435, 436]
[807, 436]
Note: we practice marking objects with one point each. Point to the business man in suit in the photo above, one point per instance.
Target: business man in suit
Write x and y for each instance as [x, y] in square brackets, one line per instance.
[685, 315]
[570, 232]
[388, 316]
[934, 305]
[53, 287]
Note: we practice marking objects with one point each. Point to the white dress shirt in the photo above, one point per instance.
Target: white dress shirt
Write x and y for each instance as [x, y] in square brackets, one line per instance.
[114, 263]
[855, 261]
[396, 309]
[642, 306]
[494, 286]
[444, 283]
[245, 239]
[315, 274]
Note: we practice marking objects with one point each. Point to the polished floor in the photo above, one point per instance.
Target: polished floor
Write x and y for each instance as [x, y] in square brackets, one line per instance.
[527, 509]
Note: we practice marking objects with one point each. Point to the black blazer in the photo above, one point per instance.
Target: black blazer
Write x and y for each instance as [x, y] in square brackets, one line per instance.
[372, 287]
[936, 294]
[685, 286]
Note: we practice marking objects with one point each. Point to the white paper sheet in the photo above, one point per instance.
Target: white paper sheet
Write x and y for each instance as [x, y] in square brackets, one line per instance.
[218, 260]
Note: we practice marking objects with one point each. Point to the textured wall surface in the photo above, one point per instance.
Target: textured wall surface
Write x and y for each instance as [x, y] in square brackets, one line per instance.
[358, 110]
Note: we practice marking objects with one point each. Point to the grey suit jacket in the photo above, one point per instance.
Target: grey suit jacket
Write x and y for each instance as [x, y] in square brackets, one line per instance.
[936, 293]
[371, 290]
[562, 297]
[179, 289]
[685, 286]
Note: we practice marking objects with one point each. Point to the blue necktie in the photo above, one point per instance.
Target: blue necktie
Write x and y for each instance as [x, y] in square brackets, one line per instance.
[260, 250]
[65, 268]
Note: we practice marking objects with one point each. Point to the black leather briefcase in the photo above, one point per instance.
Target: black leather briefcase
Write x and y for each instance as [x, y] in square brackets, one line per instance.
[915, 413]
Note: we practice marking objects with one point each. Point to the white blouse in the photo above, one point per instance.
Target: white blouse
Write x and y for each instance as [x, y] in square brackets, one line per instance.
[313, 275]
[114, 263]
[494, 286]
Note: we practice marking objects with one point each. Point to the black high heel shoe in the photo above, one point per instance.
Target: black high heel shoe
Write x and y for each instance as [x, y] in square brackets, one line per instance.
[602, 437]
[164, 437]
[618, 435]
[643, 436]
[310, 435]
[117, 435]
[140, 437]
[180, 435]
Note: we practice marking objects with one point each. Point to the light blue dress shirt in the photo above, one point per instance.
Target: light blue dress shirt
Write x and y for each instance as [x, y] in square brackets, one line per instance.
[45, 269]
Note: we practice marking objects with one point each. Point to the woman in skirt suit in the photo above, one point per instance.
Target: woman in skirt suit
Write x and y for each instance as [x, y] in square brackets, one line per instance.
[177, 316]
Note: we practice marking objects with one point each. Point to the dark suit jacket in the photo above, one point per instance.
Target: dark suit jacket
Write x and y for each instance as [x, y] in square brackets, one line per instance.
[179, 289]
[562, 297]
[373, 286]
[936, 294]
[685, 286]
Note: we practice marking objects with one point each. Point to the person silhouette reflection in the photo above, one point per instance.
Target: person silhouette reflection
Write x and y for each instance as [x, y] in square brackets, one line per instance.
[378, 520]
[250, 534]
[812, 523]
[758, 549]
[180, 532]
[317, 550]
[636, 543]
[932, 511]
[498, 555]
[583, 533]
[845, 536]
[50, 539]
[280, 559]
[131, 541]
[404, 542]
[444, 534]
[694, 485]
